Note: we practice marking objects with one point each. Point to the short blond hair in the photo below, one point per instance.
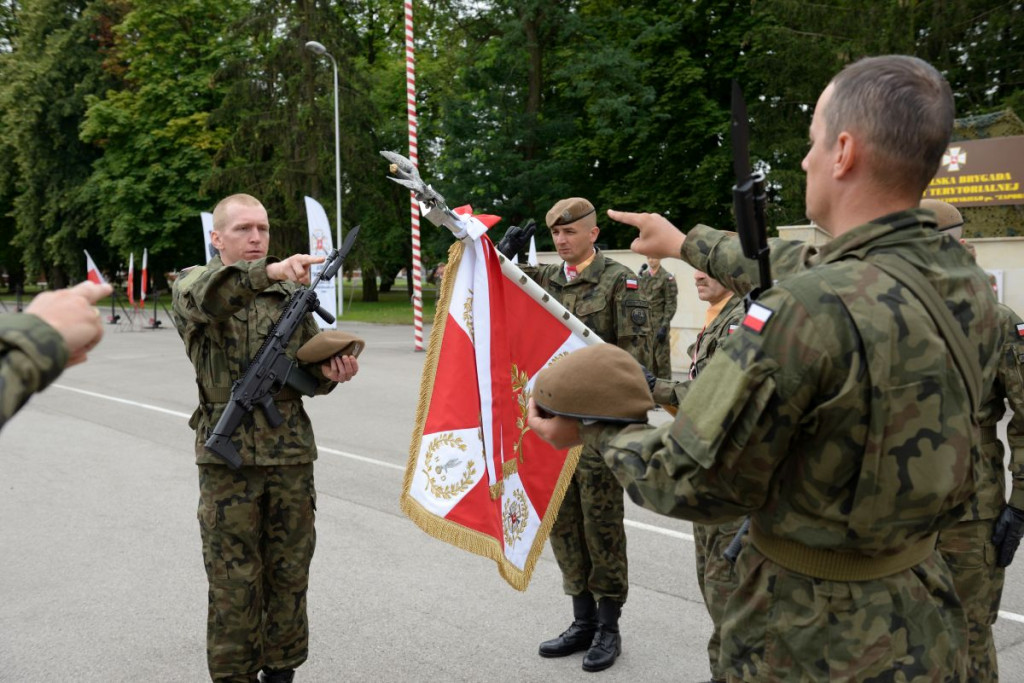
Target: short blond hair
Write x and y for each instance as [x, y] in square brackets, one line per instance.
[220, 212]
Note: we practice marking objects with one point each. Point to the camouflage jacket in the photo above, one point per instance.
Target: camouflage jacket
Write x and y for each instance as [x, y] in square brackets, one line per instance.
[32, 354]
[841, 422]
[662, 292]
[1009, 385]
[670, 392]
[722, 251]
[223, 313]
[721, 328]
[606, 298]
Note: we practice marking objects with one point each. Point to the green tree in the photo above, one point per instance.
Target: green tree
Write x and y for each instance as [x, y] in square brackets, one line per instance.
[53, 64]
[154, 129]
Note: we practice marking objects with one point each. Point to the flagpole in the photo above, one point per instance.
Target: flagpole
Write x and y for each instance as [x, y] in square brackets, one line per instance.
[410, 89]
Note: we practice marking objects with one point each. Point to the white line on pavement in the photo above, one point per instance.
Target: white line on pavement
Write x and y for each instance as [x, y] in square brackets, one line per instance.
[672, 533]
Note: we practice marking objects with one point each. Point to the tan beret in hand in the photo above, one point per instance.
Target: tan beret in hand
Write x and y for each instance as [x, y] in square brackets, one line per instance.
[600, 382]
[330, 343]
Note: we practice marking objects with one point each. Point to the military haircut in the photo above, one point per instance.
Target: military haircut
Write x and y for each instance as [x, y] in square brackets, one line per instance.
[220, 211]
[903, 108]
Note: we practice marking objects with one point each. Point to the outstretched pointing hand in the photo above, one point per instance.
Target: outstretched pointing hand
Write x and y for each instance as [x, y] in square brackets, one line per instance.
[294, 268]
[657, 238]
[73, 313]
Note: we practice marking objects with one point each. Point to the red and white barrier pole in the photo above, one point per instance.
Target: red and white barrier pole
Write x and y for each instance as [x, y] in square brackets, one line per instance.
[417, 266]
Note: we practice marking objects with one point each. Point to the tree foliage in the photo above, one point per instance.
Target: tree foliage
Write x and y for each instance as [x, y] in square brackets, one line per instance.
[123, 119]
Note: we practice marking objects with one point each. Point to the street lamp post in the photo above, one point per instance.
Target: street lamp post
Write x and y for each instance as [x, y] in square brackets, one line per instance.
[318, 49]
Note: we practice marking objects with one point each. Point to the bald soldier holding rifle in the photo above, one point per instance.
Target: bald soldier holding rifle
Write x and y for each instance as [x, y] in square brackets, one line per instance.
[841, 414]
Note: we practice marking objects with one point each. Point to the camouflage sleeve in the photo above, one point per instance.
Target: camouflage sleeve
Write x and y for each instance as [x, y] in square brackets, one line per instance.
[669, 392]
[32, 354]
[1011, 375]
[720, 255]
[204, 295]
[716, 460]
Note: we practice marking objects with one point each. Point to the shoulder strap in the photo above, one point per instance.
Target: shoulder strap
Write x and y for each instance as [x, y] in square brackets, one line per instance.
[948, 327]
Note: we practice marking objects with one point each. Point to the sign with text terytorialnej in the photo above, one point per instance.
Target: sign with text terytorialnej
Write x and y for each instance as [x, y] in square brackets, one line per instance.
[981, 173]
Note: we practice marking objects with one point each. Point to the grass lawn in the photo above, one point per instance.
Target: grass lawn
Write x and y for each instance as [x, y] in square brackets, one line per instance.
[393, 308]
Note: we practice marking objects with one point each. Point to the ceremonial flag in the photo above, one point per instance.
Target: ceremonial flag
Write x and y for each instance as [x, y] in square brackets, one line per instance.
[92, 273]
[477, 477]
[145, 277]
[131, 279]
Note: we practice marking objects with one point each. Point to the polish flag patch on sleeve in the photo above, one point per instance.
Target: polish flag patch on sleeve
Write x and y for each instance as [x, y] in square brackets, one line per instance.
[1020, 329]
[757, 317]
[631, 283]
[732, 328]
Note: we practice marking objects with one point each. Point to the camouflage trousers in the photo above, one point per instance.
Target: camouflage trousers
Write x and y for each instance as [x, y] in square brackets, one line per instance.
[662, 366]
[785, 626]
[258, 540]
[717, 578]
[588, 537]
[968, 550]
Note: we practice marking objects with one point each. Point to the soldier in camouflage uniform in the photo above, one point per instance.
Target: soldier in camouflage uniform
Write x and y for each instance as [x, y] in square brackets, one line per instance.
[588, 537]
[835, 416]
[659, 288]
[976, 555]
[715, 574]
[256, 522]
[57, 330]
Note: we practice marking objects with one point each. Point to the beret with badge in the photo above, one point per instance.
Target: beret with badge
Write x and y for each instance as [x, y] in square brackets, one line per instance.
[568, 211]
[330, 343]
[599, 382]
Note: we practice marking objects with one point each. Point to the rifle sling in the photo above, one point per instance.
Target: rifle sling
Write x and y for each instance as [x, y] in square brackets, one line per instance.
[947, 325]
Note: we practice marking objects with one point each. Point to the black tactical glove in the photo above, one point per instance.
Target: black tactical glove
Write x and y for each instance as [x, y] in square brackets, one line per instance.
[651, 379]
[662, 333]
[1007, 534]
[516, 239]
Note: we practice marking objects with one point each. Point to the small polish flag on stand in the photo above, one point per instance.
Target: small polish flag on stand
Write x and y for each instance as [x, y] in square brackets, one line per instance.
[92, 273]
[145, 277]
[131, 279]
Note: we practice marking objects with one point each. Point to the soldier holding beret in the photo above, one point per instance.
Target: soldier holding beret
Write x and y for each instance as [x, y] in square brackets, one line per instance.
[588, 537]
[838, 416]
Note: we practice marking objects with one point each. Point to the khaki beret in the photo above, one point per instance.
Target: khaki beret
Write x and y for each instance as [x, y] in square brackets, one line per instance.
[330, 343]
[568, 211]
[600, 382]
[946, 215]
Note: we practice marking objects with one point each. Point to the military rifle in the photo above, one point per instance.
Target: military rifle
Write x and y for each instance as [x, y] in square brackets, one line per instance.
[271, 369]
[748, 201]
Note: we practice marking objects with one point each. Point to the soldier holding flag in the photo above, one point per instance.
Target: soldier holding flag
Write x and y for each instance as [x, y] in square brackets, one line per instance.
[838, 415]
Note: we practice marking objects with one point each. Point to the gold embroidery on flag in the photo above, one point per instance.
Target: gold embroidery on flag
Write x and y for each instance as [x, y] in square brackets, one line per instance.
[520, 380]
[467, 315]
[516, 515]
[439, 471]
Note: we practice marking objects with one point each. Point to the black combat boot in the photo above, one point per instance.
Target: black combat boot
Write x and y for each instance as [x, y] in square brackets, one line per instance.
[607, 644]
[580, 633]
[277, 676]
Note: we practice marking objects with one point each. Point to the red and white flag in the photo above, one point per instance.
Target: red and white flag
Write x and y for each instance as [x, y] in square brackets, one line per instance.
[477, 476]
[145, 278]
[92, 273]
[131, 279]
